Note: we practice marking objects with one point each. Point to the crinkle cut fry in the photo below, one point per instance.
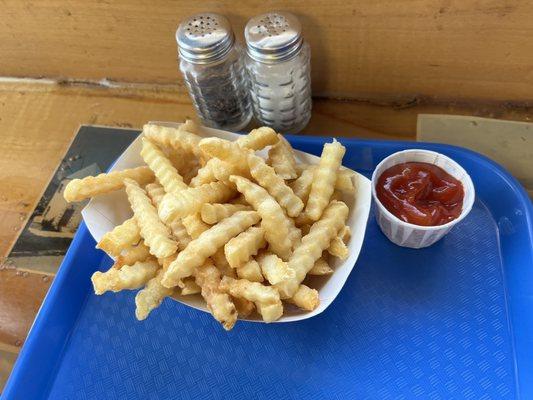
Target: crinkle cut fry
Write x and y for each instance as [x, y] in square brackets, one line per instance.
[151, 296]
[258, 138]
[218, 302]
[312, 245]
[324, 179]
[213, 213]
[173, 137]
[199, 249]
[190, 201]
[166, 174]
[132, 254]
[195, 227]
[266, 298]
[122, 236]
[155, 234]
[275, 223]
[250, 271]
[281, 158]
[128, 277]
[266, 176]
[243, 246]
[90, 186]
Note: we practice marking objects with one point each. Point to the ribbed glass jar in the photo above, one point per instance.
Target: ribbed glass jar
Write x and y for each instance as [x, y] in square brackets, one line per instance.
[279, 71]
[212, 65]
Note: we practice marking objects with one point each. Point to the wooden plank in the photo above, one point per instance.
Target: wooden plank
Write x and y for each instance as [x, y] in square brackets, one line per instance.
[362, 49]
[21, 295]
[509, 143]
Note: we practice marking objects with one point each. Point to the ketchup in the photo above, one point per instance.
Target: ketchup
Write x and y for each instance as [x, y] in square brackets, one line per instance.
[420, 193]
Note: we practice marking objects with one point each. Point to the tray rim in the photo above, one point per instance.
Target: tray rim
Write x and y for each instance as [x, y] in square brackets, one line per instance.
[36, 339]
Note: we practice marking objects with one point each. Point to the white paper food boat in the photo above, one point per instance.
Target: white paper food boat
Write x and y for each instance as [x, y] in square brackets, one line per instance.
[104, 212]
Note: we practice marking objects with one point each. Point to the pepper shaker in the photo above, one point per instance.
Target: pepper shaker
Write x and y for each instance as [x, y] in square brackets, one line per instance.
[279, 71]
[213, 68]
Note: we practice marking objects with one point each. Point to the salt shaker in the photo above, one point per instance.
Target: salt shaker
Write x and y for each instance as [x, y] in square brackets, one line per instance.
[213, 68]
[279, 71]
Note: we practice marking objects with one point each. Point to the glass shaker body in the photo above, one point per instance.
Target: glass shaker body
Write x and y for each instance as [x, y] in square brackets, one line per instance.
[281, 91]
[219, 91]
[213, 68]
[278, 64]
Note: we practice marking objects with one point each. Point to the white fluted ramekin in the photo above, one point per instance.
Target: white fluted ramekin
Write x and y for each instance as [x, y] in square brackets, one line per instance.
[410, 235]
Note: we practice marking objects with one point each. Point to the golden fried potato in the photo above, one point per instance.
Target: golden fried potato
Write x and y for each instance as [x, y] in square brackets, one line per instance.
[166, 174]
[127, 277]
[337, 247]
[274, 269]
[302, 185]
[132, 254]
[190, 201]
[207, 244]
[155, 234]
[190, 287]
[266, 298]
[281, 158]
[324, 179]
[305, 298]
[321, 267]
[251, 271]
[121, 237]
[174, 137]
[218, 302]
[90, 186]
[151, 296]
[213, 213]
[275, 185]
[275, 223]
[258, 138]
[195, 227]
[312, 245]
[243, 246]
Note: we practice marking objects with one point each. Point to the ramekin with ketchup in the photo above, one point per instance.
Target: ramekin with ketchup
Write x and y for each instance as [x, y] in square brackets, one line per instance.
[420, 195]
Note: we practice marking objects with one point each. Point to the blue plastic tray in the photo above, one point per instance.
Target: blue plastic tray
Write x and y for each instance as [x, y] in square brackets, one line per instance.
[451, 321]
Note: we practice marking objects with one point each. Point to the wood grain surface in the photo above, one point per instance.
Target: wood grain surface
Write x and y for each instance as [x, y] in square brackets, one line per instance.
[364, 49]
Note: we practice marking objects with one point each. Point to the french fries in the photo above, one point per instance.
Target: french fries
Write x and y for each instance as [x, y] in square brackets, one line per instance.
[210, 216]
[243, 246]
[190, 201]
[122, 236]
[313, 244]
[258, 139]
[90, 186]
[275, 185]
[266, 298]
[321, 267]
[127, 277]
[151, 296]
[324, 178]
[213, 213]
[199, 249]
[281, 158]
[132, 254]
[218, 301]
[251, 271]
[155, 234]
[178, 138]
[166, 174]
[274, 221]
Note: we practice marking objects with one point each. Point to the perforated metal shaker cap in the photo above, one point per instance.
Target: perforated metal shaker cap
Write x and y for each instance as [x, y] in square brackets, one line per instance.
[204, 38]
[273, 37]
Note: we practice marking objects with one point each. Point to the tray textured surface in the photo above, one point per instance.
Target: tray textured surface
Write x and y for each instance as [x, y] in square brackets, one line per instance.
[451, 321]
[431, 326]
